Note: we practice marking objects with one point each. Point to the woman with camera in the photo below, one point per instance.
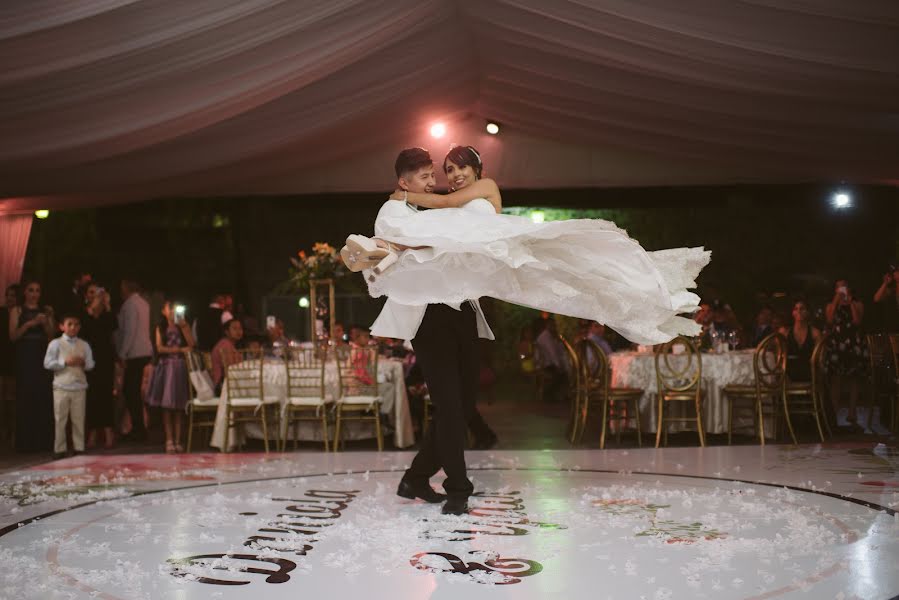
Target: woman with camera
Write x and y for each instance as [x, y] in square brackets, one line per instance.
[30, 328]
[168, 387]
[847, 352]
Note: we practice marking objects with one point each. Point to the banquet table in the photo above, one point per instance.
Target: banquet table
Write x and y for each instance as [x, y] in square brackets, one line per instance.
[391, 389]
[637, 369]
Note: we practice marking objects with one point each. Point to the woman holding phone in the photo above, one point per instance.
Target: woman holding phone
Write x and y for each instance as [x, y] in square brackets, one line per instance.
[847, 352]
[168, 386]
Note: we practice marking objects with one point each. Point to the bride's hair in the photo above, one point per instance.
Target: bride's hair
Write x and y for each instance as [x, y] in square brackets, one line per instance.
[465, 156]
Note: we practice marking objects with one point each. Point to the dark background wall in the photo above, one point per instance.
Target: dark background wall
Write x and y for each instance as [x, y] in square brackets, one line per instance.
[766, 240]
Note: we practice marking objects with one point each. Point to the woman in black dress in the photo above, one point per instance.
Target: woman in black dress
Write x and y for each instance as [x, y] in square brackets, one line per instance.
[30, 328]
[97, 326]
[801, 340]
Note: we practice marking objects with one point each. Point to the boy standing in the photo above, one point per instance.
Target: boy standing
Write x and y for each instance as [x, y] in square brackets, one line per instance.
[69, 357]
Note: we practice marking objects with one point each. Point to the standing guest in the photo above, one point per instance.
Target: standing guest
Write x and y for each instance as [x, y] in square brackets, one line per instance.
[847, 352]
[887, 298]
[801, 340]
[225, 353]
[208, 325]
[168, 388]
[135, 350]
[552, 361]
[30, 328]
[69, 357]
[7, 369]
[80, 283]
[97, 329]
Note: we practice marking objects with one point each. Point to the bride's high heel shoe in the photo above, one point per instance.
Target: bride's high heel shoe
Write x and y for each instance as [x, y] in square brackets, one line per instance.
[362, 253]
[382, 266]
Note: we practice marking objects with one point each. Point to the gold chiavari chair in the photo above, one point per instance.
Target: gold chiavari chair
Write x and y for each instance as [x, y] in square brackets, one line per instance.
[576, 389]
[306, 399]
[624, 402]
[894, 347]
[357, 369]
[769, 367]
[807, 397]
[203, 404]
[882, 375]
[245, 400]
[679, 379]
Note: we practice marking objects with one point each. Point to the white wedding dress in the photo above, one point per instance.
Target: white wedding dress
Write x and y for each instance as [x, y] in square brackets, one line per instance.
[586, 268]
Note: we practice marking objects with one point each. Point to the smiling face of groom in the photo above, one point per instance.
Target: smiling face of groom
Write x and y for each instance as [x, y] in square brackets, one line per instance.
[415, 171]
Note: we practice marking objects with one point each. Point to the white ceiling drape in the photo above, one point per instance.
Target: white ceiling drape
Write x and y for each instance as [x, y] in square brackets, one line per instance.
[113, 100]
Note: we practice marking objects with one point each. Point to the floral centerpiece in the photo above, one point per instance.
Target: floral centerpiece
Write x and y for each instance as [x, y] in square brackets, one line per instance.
[322, 263]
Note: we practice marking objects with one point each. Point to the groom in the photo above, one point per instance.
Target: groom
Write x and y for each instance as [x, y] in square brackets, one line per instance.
[445, 340]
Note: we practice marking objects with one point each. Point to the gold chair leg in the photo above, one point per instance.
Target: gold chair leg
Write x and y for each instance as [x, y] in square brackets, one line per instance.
[817, 420]
[264, 429]
[787, 417]
[621, 423]
[378, 432]
[581, 423]
[761, 420]
[336, 445]
[224, 447]
[190, 425]
[660, 418]
[325, 429]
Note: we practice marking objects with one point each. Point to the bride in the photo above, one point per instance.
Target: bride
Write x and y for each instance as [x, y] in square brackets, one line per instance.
[586, 268]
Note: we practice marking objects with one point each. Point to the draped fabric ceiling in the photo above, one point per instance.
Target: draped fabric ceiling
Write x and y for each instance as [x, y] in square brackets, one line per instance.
[105, 101]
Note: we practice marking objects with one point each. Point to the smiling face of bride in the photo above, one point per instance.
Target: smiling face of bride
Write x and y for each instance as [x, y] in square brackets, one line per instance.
[459, 176]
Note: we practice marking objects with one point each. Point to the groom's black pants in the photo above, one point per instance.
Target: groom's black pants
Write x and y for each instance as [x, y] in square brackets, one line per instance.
[446, 349]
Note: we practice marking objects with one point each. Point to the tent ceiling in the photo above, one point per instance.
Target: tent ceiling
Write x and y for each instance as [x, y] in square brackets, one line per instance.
[117, 100]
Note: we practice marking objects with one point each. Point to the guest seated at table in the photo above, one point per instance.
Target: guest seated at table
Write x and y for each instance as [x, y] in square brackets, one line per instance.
[801, 340]
[553, 363]
[277, 340]
[763, 326]
[361, 338]
[225, 353]
[339, 336]
[723, 321]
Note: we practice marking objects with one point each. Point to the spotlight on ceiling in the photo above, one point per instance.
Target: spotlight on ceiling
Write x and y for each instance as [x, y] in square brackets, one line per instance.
[42, 213]
[492, 127]
[303, 302]
[841, 200]
[438, 130]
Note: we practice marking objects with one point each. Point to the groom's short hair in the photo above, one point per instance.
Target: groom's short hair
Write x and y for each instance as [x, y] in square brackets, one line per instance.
[411, 160]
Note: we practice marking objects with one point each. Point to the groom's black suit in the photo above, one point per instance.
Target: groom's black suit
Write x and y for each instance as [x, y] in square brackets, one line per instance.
[446, 349]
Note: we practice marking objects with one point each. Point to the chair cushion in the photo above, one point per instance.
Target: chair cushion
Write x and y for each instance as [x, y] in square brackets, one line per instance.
[358, 399]
[306, 401]
[244, 402]
[205, 403]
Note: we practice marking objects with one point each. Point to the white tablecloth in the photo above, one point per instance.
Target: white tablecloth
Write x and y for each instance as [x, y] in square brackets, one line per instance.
[391, 387]
[632, 369]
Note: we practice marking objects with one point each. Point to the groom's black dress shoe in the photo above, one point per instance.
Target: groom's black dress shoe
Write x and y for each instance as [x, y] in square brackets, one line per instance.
[455, 505]
[419, 490]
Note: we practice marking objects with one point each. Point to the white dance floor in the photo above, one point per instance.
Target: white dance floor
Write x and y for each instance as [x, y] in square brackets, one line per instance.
[743, 522]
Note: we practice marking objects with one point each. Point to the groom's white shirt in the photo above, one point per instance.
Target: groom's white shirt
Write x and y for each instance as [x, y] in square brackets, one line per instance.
[401, 321]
